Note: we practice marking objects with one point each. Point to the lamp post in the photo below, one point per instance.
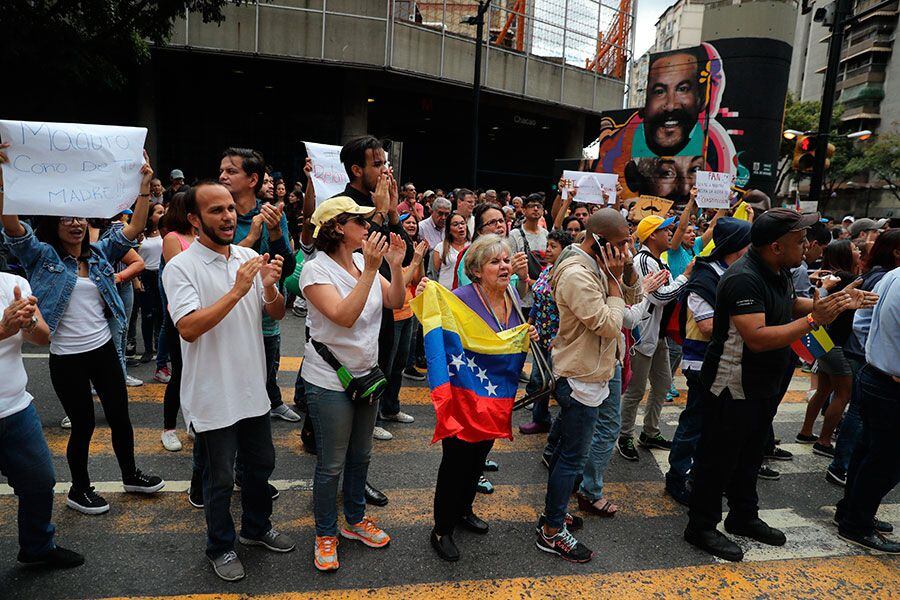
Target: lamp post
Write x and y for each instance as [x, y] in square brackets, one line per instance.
[478, 21]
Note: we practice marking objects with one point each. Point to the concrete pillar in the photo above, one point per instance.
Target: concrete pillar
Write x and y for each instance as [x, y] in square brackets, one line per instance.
[574, 136]
[355, 107]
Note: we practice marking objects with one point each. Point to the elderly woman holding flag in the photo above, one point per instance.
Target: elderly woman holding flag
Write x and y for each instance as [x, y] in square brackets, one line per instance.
[475, 343]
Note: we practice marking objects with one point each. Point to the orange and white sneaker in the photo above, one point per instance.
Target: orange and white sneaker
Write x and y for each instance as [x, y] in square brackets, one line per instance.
[368, 533]
[326, 553]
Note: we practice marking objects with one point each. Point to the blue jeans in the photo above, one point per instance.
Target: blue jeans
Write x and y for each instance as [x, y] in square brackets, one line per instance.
[344, 442]
[687, 435]
[576, 424]
[875, 465]
[120, 331]
[540, 411]
[390, 402]
[162, 348]
[272, 347]
[851, 426]
[25, 461]
[606, 430]
[252, 438]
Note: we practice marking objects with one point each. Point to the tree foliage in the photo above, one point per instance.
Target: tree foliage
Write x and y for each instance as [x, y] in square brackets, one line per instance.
[56, 43]
[880, 159]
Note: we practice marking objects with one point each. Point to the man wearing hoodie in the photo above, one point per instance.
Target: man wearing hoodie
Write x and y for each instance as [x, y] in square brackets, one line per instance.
[591, 285]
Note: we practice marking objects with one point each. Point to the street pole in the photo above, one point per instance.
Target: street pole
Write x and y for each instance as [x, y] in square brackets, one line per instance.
[841, 13]
[483, 6]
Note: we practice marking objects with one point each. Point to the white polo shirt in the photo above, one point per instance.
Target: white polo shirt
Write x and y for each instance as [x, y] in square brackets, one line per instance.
[223, 377]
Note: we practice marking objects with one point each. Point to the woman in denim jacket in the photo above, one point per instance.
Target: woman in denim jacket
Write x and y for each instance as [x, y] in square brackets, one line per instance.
[74, 281]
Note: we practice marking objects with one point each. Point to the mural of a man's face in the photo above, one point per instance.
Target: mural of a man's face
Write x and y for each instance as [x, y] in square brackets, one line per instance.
[673, 103]
[671, 177]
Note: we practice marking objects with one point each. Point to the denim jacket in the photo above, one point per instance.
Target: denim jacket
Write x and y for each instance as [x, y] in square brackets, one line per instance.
[52, 278]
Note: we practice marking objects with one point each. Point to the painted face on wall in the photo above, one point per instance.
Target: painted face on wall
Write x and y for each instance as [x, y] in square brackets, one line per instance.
[673, 103]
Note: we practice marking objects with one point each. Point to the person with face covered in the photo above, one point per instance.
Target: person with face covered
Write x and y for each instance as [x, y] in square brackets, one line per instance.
[675, 99]
[76, 290]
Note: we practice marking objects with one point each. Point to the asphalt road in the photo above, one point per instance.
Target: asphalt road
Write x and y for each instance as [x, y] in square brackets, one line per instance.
[154, 546]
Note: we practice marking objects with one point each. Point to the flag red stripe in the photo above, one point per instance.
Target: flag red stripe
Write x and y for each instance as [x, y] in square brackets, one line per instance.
[471, 418]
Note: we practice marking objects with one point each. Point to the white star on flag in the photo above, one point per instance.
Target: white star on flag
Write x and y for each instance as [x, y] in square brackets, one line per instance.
[482, 375]
[457, 361]
[491, 389]
[470, 362]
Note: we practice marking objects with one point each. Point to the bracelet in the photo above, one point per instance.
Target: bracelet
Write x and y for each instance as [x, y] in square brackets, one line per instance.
[272, 300]
[812, 322]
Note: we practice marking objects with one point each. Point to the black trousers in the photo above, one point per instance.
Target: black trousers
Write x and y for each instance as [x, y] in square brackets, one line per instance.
[461, 465]
[172, 399]
[72, 375]
[733, 438]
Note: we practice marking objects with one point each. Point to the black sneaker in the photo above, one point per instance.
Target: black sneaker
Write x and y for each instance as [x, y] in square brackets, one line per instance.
[779, 454]
[195, 496]
[413, 373]
[572, 522]
[130, 348]
[625, 446]
[147, 357]
[565, 545]
[879, 525]
[656, 441]
[823, 450]
[57, 558]
[767, 472]
[141, 483]
[807, 439]
[758, 530]
[873, 541]
[680, 491]
[87, 501]
[836, 477]
[714, 542]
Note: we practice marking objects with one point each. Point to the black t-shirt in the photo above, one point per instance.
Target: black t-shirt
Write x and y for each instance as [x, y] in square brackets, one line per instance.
[749, 286]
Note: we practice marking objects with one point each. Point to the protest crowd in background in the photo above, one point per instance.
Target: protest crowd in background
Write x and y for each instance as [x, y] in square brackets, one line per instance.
[613, 297]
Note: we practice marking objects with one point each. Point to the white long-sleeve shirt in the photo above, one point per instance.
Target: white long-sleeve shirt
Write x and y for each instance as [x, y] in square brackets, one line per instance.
[647, 334]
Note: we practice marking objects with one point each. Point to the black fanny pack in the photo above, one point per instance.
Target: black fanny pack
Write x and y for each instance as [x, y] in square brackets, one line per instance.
[365, 389]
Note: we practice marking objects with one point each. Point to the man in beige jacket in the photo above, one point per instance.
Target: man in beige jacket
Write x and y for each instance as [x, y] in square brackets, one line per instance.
[591, 285]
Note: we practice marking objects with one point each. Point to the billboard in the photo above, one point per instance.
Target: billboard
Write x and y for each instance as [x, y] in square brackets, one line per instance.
[692, 121]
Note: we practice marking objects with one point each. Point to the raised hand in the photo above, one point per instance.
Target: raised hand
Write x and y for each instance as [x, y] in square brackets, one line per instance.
[271, 214]
[860, 298]
[421, 287]
[146, 174]
[654, 281]
[613, 261]
[374, 248]
[382, 195]
[396, 251]
[394, 192]
[519, 264]
[256, 226]
[243, 281]
[419, 250]
[825, 311]
[271, 269]
[310, 193]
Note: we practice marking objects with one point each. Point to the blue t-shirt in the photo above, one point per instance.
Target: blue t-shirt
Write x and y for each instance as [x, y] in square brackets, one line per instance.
[679, 258]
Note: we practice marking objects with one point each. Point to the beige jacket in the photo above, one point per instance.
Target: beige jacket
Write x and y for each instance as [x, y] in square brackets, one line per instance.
[589, 340]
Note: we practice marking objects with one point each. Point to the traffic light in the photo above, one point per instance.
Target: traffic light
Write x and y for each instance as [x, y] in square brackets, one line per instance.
[804, 154]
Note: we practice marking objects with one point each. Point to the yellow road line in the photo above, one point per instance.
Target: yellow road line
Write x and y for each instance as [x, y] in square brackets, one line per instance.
[849, 577]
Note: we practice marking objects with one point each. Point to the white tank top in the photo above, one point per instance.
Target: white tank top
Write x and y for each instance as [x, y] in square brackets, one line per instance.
[83, 327]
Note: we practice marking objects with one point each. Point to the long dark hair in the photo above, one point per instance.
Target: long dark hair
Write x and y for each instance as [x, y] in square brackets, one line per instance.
[47, 231]
[175, 218]
[838, 256]
[152, 227]
[448, 237]
[882, 252]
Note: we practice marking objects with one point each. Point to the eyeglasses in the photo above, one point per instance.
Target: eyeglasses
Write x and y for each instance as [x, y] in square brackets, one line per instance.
[71, 220]
[358, 219]
[492, 223]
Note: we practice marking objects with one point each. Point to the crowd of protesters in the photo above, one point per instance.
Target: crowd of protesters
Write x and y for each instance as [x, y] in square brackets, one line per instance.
[615, 301]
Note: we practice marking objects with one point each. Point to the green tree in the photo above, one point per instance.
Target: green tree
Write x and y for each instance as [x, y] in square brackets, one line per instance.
[880, 159]
[55, 45]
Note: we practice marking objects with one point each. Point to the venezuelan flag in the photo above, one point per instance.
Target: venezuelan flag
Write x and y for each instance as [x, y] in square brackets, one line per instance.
[473, 372]
[813, 345]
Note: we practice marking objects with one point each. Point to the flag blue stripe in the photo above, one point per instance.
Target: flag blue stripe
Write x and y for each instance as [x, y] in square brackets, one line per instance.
[449, 361]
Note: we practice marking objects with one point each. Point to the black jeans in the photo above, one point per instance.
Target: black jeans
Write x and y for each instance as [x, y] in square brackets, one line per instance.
[172, 399]
[875, 464]
[151, 309]
[72, 375]
[252, 438]
[733, 437]
[454, 493]
[272, 346]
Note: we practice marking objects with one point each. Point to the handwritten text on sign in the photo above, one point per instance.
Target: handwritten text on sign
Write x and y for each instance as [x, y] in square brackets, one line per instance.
[714, 189]
[592, 186]
[328, 174]
[71, 169]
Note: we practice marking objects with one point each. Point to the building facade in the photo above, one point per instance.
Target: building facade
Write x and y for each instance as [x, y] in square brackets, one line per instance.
[680, 26]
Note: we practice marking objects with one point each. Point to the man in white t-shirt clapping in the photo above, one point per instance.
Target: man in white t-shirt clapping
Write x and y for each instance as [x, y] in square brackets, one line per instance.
[24, 455]
[217, 295]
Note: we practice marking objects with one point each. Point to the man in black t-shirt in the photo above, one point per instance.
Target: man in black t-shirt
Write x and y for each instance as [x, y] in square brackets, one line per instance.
[757, 316]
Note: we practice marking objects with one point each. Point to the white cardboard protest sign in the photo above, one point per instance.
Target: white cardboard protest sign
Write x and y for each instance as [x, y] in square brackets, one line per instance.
[714, 189]
[328, 174]
[71, 169]
[592, 185]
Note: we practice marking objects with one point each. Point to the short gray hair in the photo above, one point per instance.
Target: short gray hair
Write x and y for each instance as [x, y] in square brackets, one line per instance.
[441, 202]
[482, 250]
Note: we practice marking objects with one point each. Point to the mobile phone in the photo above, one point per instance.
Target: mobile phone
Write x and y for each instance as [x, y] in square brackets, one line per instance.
[599, 242]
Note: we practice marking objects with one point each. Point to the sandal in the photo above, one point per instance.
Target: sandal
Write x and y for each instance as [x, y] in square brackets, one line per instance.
[600, 507]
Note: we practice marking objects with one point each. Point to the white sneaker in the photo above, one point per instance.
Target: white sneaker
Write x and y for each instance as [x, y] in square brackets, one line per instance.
[400, 417]
[284, 412]
[380, 433]
[170, 440]
[66, 423]
[133, 381]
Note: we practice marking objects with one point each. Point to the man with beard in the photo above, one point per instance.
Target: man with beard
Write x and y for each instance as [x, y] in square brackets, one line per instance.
[217, 295]
[756, 318]
[675, 99]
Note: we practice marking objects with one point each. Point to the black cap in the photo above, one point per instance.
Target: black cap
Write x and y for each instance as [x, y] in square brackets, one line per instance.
[776, 222]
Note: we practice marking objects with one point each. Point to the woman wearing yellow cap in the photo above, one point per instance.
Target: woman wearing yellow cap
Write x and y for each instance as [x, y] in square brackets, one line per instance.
[346, 294]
